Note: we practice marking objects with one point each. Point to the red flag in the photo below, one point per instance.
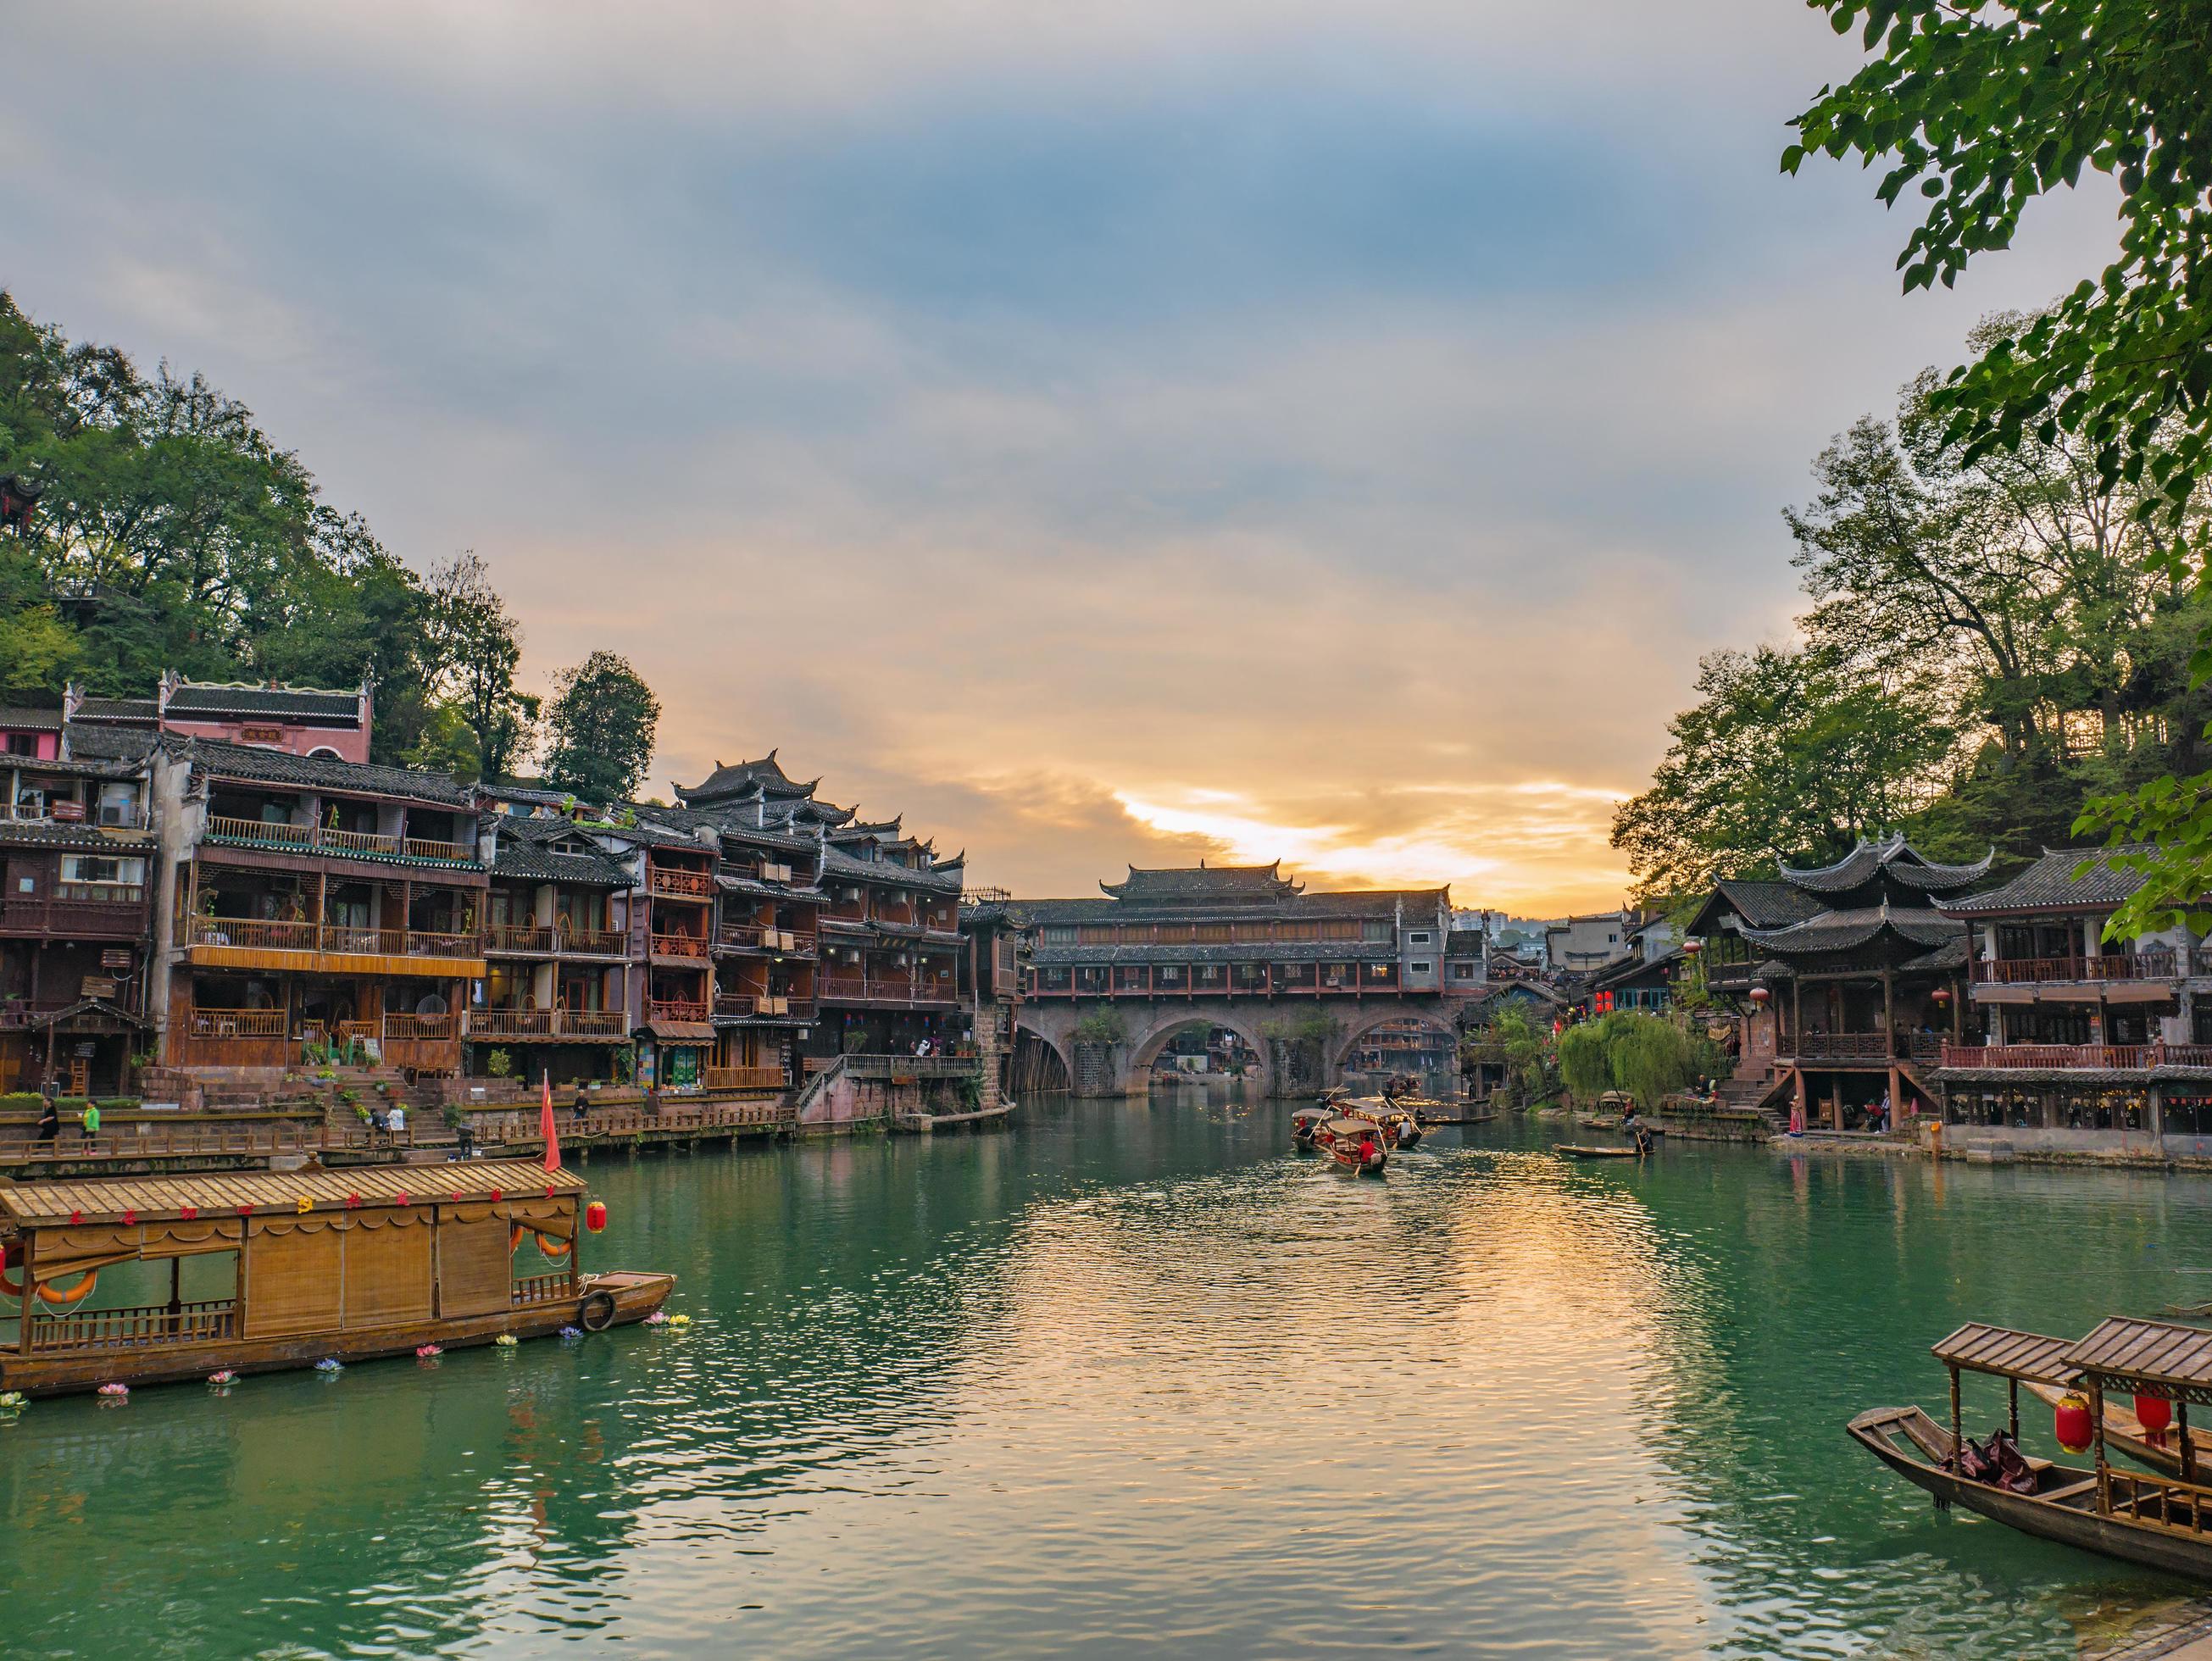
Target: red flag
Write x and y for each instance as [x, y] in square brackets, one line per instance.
[545, 1124]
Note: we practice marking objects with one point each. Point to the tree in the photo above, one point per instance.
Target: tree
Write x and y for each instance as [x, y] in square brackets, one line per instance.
[600, 729]
[1984, 108]
[1585, 1068]
[474, 646]
[1792, 751]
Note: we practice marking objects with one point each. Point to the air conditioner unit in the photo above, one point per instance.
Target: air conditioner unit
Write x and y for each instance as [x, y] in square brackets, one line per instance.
[117, 812]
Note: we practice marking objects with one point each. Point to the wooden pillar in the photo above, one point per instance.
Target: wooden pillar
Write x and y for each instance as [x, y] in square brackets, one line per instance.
[2188, 1452]
[1957, 1428]
[1889, 1011]
[2097, 1419]
[176, 1285]
[1796, 1010]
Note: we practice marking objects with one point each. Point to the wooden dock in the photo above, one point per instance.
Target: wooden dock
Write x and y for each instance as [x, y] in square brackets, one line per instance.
[926, 1124]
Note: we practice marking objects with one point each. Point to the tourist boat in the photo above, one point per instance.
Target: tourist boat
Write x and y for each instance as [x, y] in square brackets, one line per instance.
[1583, 1150]
[1398, 1123]
[1341, 1138]
[1305, 1125]
[339, 1265]
[2158, 1521]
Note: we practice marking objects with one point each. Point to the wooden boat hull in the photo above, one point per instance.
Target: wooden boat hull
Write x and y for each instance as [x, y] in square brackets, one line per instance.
[1577, 1151]
[635, 1295]
[2065, 1511]
[1349, 1164]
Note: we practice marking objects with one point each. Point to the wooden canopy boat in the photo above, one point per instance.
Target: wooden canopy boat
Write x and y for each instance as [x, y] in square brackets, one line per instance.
[1398, 1125]
[1341, 1138]
[1583, 1150]
[2159, 1521]
[343, 1264]
[1305, 1125]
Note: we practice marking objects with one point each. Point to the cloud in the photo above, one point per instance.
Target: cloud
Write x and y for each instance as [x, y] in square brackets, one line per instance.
[1108, 432]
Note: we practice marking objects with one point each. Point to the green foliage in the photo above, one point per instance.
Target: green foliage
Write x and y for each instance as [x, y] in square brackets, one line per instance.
[1100, 1026]
[1585, 1066]
[173, 533]
[1786, 752]
[17, 1100]
[500, 1064]
[1982, 109]
[600, 729]
[1647, 1056]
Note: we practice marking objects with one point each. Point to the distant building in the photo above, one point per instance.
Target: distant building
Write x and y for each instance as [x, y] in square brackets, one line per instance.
[299, 720]
[1582, 945]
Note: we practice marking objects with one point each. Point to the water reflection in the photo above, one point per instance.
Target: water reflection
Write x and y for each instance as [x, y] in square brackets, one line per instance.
[1133, 1377]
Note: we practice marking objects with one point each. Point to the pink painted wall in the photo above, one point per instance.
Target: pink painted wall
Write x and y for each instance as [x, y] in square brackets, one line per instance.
[49, 744]
[297, 740]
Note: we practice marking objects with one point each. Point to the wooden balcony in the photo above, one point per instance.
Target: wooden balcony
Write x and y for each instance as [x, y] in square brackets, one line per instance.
[530, 939]
[342, 844]
[2073, 1057]
[734, 1006]
[329, 948]
[665, 882]
[549, 1025]
[2111, 966]
[120, 916]
[678, 1009]
[692, 947]
[852, 988]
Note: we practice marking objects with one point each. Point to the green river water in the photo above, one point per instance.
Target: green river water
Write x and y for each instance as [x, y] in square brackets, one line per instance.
[1130, 1378]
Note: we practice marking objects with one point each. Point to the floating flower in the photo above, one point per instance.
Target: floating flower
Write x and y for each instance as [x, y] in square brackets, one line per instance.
[658, 1317]
[115, 1391]
[507, 1341]
[428, 1351]
[12, 1400]
[330, 1363]
[225, 1376]
[572, 1332]
[679, 1320]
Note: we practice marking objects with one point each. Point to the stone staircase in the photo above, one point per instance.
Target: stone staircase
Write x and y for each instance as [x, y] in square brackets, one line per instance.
[1760, 1094]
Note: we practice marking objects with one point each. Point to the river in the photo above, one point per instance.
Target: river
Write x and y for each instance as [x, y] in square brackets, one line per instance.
[1130, 1376]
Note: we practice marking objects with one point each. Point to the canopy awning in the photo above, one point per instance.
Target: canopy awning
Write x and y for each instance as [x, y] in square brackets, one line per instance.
[116, 1199]
[2148, 1357]
[2007, 1354]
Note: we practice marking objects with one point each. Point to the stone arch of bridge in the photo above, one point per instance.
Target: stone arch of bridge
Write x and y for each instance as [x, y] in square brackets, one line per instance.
[1145, 1046]
[1057, 1049]
[1358, 1031]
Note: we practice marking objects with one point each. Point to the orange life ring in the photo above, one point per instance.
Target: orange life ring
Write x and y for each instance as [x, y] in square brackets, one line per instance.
[552, 1249]
[76, 1295]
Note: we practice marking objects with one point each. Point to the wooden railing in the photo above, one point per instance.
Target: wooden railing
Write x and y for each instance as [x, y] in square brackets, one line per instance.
[735, 1003]
[743, 936]
[557, 1287]
[678, 1009]
[240, 1023]
[430, 1028]
[1840, 1046]
[678, 1113]
[679, 945]
[914, 1067]
[745, 1078]
[327, 839]
[131, 1328]
[681, 885]
[156, 1142]
[595, 942]
[519, 937]
[284, 934]
[2113, 966]
[2144, 1497]
[852, 988]
[2118, 1058]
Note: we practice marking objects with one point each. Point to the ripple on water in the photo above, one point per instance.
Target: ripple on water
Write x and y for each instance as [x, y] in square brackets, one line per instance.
[1134, 1378]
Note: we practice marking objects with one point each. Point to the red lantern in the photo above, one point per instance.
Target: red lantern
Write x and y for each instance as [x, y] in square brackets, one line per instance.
[1693, 945]
[1759, 995]
[2070, 1423]
[2154, 1414]
[595, 1216]
[1941, 994]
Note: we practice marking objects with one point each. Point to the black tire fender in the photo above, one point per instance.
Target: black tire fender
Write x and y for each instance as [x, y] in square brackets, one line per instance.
[597, 1312]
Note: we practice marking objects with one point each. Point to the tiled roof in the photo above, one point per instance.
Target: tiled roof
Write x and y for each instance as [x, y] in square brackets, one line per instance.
[1250, 952]
[524, 852]
[106, 743]
[20, 719]
[1894, 855]
[2050, 883]
[1761, 904]
[145, 711]
[747, 778]
[1420, 903]
[1844, 931]
[837, 862]
[1203, 885]
[212, 701]
[72, 838]
[223, 759]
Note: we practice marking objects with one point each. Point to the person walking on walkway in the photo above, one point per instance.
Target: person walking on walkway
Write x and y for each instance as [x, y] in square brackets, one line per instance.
[49, 1120]
[88, 1120]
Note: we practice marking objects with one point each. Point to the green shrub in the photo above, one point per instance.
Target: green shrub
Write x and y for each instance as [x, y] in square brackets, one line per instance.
[21, 1098]
[500, 1064]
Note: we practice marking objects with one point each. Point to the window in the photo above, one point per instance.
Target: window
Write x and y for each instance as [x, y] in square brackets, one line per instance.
[99, 868]
[1418, 937]
[1462, 971]
[22, 743]
[1612, 939]
[1417, 968]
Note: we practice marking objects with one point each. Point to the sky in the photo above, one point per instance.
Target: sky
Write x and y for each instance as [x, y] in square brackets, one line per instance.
[1105, 433]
